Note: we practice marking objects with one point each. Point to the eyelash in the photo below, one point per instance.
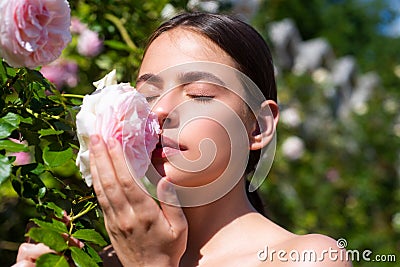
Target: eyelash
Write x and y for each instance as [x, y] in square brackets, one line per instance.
[198, 98]
[151, 98]
[201, 98]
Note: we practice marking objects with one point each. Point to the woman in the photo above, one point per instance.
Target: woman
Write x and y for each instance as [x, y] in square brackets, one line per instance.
[226, 230]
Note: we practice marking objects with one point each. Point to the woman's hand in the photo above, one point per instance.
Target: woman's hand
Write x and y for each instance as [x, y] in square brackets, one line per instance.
[28, 254]
[141, 233]
[30, 251]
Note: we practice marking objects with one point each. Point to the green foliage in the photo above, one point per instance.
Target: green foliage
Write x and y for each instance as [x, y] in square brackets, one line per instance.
[346, 184]
[90, 235]
[351, 27]
[38, 119]
[35, 113]
[124, 26]
[51, 260]
[81, 259]
[48, 237]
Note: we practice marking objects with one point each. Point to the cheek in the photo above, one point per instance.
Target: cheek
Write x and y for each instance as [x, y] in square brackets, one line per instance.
[215, 141]
[208, 145]
[206, 136]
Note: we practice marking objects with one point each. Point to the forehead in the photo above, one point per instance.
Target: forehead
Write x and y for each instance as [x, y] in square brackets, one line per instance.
[179, 46]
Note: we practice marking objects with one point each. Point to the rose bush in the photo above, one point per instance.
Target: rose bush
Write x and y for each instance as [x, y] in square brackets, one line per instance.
[118, 111]
[43, 119]
[33, 32]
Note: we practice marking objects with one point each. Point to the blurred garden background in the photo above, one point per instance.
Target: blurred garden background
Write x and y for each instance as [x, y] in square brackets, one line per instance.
[337, 165]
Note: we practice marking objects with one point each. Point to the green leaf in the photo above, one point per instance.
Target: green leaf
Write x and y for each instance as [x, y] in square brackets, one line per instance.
[56, 158]
[12, 119]
[58, 193]
[8, 124]
[93, 253]
[42, 192]
[10, 70]
[48, 237]
[55, 225]
[40, 168]
[117, 45]
[45, 132]
[51, 260]
[6, 129]
[11, 146]
[27, 120]
[5, 168]
[58, 212]
[90, 235]
[81, 259]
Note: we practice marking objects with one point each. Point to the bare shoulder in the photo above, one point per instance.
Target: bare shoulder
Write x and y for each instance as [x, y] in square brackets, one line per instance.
[307, 250]
[317, 250]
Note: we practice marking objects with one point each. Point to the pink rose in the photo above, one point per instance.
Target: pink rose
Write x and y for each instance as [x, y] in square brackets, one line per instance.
[118, 111]
[89, 43]
[77, 26]
[61, 72]
[33, 32]
[21, 158]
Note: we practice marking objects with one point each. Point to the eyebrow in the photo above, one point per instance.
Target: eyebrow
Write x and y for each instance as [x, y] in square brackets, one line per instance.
[150, 78]
[195, 76]
[188, 77]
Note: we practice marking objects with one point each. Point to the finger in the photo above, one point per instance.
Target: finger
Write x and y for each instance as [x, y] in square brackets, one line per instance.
[110, 186]
[24, 263]
[142, 204]
[30, 252]
[170, 206]
[101, 197]
[134, 193]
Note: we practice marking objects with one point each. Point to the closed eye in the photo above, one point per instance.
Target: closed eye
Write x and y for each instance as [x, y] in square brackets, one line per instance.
[151, 98]
[201, 98]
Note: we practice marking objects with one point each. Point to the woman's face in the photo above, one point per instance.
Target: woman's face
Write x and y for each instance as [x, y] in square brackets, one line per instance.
[196, 145]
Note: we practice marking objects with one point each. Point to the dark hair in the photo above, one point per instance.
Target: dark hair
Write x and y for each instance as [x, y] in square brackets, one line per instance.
[246, 46]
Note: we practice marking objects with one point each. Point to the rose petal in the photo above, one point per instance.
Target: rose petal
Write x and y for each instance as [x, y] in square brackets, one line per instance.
[33, 32]
[121, 112]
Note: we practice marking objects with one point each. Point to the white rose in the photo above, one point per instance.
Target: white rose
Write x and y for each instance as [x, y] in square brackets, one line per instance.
[293, 148]
[119, 111]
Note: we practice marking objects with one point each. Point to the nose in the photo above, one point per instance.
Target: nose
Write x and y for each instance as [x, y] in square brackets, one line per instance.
[165, 109]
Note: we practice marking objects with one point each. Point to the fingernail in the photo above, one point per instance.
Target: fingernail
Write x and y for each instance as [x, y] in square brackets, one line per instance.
[111, 142]
[94, 139]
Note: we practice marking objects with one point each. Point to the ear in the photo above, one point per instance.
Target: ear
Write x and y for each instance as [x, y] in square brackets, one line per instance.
[265, 126]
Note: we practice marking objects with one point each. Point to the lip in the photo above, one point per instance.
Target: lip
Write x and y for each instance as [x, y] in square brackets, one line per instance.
[167, 148]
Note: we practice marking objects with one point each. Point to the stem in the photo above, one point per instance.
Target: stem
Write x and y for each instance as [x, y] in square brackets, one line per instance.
[37, 115]
[122, 30]
[73, 96]
[80, 214]
[71, 227]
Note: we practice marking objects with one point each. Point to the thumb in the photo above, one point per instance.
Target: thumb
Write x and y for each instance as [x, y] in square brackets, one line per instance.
[170, 205]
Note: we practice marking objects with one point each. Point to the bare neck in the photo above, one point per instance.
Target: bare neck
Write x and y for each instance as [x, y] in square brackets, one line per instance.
[209, 224]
